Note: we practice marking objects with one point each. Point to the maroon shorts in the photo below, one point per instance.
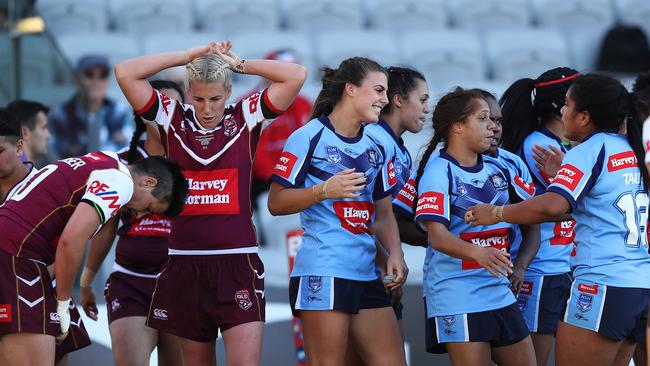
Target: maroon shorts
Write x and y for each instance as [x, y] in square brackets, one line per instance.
[127, 295]
[195, 296]
[77, 337]
[27, 303]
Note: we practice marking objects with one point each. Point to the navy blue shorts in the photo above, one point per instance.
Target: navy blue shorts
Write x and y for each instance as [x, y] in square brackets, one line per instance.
[331, 293]
[542, 301]
[430, 342]
[614, 312]
[500, 327]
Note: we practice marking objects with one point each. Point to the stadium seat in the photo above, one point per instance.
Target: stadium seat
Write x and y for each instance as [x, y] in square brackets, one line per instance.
[319, 16]
[407, 15]
[574, 14]
[525, 53]
[584, 45]
[335, 46]
[229, 17]
[444, 56]
[490, 14]
[37, 60]
[147, 16]
[66, 16]
[635, 12]
[115, 46]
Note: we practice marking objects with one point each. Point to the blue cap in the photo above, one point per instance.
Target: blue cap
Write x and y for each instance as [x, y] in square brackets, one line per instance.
[88, 61]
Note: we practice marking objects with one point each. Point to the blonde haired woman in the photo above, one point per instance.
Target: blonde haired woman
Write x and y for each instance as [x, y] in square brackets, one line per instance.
[213, 250]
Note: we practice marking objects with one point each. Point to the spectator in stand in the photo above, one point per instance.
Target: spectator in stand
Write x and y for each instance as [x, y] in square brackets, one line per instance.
[89, 121]
[32, 117]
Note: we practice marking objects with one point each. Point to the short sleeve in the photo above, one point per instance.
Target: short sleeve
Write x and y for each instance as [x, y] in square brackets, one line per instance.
[160, 109]
[292, 165]
[107, 191]
[257, 108]
[433, 197]
[405, 198]
[580, 169]
[521, 180]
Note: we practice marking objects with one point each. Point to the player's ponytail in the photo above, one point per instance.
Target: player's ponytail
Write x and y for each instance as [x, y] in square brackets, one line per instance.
[453, 107]
[352, 70]
[529, 103]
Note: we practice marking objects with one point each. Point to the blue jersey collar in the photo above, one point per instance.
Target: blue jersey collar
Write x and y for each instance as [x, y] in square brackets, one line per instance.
[471, 169]
[546, 132]
[608, 130]
[326, 121]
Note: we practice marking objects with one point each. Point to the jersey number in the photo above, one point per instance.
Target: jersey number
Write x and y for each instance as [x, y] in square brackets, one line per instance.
[635, 212]
[33, 182]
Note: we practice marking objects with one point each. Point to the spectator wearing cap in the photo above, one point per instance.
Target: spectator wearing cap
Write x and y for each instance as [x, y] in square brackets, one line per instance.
[33, 120]
[275, 136]
[89, 121]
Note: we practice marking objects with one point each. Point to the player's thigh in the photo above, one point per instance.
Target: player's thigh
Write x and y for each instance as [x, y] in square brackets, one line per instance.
[521, 353]
[542, 344]
[169, 350]
[579, 346]
[625, 353]
[132, 340]
[243, 344]
[377, 337]
[198, 353]
[325, 335]
[27, 349]
[469, 353]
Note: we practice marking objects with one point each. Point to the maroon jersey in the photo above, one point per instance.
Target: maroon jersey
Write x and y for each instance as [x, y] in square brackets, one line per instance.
[217, 165]
[33, 218]
[142, 246]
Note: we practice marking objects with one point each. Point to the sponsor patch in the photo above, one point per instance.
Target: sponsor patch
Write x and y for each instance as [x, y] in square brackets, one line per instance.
[111, 197]
[568, 176]
[243, 299]
[526, 288]
[590, 289]
[284, 166]
[407, 194]
[496, 238]
[430, 203]
[160, 314]
[392, 177]
[355, 216]
[528, 187]
[5, 313]
[151, 225]
[563, 233]
[622, 160]
[212, 192]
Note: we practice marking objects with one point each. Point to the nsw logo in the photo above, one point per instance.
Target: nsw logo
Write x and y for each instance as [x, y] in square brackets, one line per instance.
[449, 321]
[461, 190]
[584, 302]
[522, 303]
[373, 158]
[243, 299]
[315, 283]
[333, 155]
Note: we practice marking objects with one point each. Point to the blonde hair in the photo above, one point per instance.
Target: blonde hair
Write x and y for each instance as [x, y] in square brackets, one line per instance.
[208, 69]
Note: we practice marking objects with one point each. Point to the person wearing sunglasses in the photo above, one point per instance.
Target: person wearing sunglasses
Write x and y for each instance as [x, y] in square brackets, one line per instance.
[89, 120]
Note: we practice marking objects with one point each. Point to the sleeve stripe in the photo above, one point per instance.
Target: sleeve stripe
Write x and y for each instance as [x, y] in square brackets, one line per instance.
[269, 105]
[567, 196]
[151, 101]
[100, 213]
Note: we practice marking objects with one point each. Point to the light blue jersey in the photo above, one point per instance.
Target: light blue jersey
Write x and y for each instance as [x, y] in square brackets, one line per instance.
[394, 146]
[601, 181]
[446, 190]
[338, 239]
[556, 238]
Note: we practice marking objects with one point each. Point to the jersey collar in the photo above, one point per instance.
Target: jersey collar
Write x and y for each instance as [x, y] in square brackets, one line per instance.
[326, 121]
[471, 169]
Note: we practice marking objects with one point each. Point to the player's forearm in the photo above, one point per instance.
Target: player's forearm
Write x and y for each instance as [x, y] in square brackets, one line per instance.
[143, 67]
[542, 208]
[529, 245]
[69, 255]
[100, 245]
[277, 71]
[444, 241]
[286, 201]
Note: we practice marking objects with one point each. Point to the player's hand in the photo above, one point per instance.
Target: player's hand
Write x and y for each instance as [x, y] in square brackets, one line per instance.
[482, 214]
[345, 184]
[198, 51]
[496, 261]
[517, 279]
[88, 302]
[396, 296]
[63, 311]
[396, 266]
[548, 161]
[235, 64]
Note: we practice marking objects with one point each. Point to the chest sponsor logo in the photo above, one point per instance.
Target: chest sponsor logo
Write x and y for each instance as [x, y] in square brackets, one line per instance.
[151, 225]
[568, 176]
[590, 289]
[229, 127]
[430, 203]
[622, 160]
[496, 238]
[407, 194]
[102, 190]
[243, 299]
[563, 233]
[526, 288]
[528, 187]
[285, 164]
[5, 313]
[498, 182]
[355, 217]
[392, 178]
[212, 192]
[333, 154]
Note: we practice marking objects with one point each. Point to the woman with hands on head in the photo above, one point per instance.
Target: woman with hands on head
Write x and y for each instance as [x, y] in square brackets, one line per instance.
[215, 145]
[470, 307]
[603, 185]
[340, 180]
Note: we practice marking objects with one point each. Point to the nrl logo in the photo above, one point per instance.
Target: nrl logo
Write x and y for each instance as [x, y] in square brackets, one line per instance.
[333, 155]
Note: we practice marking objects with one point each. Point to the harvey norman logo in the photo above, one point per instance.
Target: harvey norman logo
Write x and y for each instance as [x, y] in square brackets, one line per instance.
[430, 203]
[285, 164]
[622, 160]
[496, 238]
[355, 216]
[568, 176]
[407, 193]
[212, 192]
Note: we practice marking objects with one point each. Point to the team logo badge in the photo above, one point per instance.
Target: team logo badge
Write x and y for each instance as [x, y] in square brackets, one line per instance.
[460, 188]
[229, 127]
[160, 314]
[399, 169]
[315, 283]
[449, 321]
[115, 305]
[498, 182]
[522, 303]
[584, 302]
[373, 158]
[333, 155]
[243, 299]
